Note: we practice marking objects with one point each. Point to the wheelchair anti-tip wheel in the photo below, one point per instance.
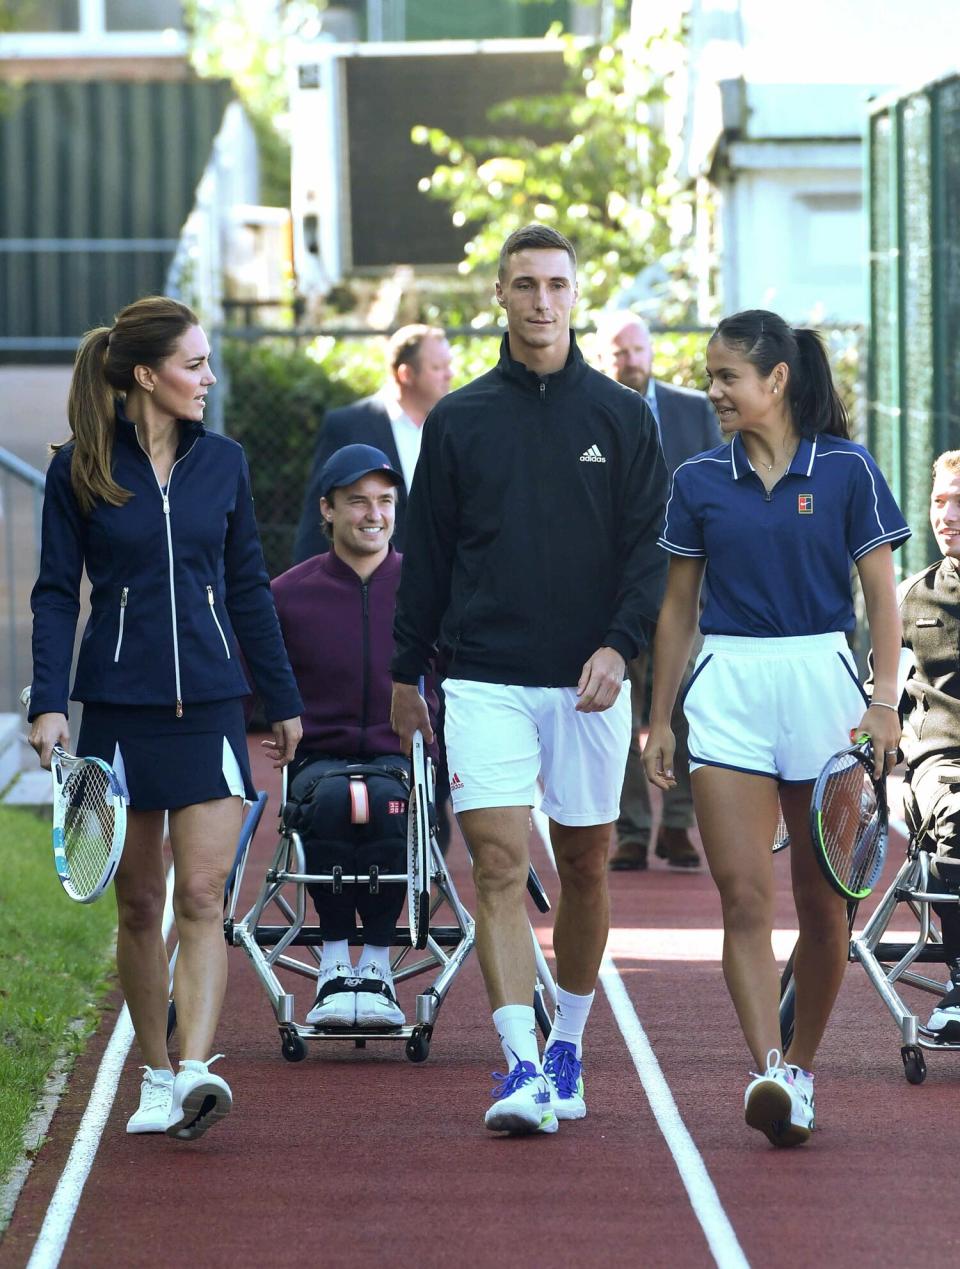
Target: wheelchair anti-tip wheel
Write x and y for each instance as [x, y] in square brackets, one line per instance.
[293, 1046]
[914, 1064]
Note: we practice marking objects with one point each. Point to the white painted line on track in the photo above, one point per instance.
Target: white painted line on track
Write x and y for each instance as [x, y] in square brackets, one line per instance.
[66, 1197]
[717, 1229]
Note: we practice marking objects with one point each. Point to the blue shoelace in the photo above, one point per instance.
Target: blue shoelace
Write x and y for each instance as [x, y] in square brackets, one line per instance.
[521, 1074]
[562, 1066]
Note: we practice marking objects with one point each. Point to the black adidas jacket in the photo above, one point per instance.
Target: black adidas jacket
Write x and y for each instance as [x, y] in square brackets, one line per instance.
[532, 528]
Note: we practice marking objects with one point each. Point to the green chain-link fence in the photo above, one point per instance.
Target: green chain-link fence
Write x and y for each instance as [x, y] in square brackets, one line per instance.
[914, 341]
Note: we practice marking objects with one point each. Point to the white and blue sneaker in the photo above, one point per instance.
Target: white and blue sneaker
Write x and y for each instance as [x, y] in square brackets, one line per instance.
[522, 1102]
[944, 1022]
[564, 1073]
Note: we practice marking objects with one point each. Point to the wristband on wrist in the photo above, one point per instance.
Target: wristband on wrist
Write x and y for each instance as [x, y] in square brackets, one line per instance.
[884, 705]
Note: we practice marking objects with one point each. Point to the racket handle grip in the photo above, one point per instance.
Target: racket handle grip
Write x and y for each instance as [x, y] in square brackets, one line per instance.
[421, 686]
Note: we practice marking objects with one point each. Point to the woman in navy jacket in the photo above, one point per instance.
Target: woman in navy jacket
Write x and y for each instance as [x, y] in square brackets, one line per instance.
[159, 511]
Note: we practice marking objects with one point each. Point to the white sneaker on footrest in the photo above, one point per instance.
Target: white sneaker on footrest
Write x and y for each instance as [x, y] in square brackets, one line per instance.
[377, 1004]
[336, 1002]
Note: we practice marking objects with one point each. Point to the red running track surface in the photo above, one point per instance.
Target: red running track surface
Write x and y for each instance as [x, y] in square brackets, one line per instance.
[358, 1157]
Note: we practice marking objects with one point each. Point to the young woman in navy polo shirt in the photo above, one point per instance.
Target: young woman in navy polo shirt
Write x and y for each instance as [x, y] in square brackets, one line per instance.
[159, 513]
[773, 520]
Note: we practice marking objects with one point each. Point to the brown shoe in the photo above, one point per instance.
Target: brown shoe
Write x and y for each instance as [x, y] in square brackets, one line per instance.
[629, 857]
[676, 848]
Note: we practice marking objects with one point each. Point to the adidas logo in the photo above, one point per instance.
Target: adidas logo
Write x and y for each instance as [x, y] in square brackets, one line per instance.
[592, 455]
[455, 781]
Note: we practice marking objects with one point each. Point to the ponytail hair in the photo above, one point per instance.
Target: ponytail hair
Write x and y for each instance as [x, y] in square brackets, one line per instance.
[765, 340]
[143, 334]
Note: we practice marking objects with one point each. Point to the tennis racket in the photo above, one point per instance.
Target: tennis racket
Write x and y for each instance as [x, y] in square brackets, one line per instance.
[418, 842]
[848, 821]
[89, 824]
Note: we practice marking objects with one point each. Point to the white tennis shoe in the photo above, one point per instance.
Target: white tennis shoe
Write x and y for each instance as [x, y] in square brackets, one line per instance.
[336, 1002]
[199, 1100]
[522, 1103]
[775, 1106]
[804, 1082]
[156, 1098]
[377, 1004]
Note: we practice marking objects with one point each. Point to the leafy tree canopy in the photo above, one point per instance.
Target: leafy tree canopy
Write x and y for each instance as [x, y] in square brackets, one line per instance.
[593, 160]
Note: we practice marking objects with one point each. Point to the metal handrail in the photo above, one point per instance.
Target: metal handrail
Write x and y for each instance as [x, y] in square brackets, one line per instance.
[13, 469]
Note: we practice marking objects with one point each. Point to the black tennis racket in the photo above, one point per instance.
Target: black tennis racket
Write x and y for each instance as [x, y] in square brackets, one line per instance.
[89, 824]
[848, 821]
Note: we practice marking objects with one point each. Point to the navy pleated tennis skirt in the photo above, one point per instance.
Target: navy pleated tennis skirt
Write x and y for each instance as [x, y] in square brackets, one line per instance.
[165, 762]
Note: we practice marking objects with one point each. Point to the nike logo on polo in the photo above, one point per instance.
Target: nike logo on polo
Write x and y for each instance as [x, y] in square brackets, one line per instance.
[592, 455]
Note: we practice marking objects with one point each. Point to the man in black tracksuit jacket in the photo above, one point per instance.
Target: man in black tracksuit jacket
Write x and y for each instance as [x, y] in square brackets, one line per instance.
[532, 565]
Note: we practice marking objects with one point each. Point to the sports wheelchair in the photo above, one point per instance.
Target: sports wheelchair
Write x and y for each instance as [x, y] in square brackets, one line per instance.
[889, 962]
[431, 895]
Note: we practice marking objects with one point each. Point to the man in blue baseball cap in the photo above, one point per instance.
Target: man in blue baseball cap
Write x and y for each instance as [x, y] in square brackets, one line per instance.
[351, 463]
[336, 613]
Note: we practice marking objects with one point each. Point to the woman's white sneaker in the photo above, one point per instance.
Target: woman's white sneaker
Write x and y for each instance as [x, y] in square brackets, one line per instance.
[156, 1098]
[199, 1100]
[774, 1105]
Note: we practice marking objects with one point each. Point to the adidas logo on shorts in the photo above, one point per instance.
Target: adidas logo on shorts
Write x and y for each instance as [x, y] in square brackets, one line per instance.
[592, 455]
[455, 781]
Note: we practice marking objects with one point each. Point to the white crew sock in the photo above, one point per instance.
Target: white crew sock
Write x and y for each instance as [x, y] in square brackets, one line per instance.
[377, 956]
[570, 1019]
[334, 952]
[516, 1027]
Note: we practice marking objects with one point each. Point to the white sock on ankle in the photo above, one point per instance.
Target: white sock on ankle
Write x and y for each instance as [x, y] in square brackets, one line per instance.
[334, 952]
[570, 1018]
[516, 1027]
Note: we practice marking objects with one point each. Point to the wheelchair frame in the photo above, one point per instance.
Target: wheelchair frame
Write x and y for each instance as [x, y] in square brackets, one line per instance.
[267, 945]
[888, 963]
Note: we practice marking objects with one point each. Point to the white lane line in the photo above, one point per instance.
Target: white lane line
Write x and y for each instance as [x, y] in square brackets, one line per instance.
[717, 1229]
[66, 1197]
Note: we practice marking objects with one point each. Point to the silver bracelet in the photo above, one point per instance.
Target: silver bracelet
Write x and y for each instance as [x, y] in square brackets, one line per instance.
[884, 705]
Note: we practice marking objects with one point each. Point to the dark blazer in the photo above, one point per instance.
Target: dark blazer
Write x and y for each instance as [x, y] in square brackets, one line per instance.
[688, 424]
[365, 422]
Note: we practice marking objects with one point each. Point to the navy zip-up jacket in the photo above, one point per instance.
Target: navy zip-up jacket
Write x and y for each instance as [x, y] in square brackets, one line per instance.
[338, 630]
[532, 528]
[177, 578]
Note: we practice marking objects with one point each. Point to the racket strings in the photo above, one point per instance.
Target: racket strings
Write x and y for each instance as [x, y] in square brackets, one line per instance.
[850, 822]
[89, 822]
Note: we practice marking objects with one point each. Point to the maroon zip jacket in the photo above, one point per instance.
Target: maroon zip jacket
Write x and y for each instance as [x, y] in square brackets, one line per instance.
[338, 631]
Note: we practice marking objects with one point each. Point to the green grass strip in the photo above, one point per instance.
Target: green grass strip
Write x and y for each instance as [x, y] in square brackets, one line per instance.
[55, 963]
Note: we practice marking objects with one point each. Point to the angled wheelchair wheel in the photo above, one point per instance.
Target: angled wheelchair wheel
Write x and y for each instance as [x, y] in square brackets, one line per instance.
[787, 1003]
[540, 1012]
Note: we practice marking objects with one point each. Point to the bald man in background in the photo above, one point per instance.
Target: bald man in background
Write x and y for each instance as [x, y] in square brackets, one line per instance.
[687, 425]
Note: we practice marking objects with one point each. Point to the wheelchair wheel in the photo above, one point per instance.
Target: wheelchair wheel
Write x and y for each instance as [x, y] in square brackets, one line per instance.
[540, 1012]
[418, 1045]
[787, 1003]
[293, 1046]
[914, 1065]
[171, 1017]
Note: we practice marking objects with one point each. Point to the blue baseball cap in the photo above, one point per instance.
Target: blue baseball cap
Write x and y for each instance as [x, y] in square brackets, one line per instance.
[351, 463]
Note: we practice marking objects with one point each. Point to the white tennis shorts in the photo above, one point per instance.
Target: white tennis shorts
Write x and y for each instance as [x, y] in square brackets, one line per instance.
[776, 707]
[501, 738]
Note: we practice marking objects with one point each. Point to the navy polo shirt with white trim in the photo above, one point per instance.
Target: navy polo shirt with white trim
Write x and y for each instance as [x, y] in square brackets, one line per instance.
[778, 563]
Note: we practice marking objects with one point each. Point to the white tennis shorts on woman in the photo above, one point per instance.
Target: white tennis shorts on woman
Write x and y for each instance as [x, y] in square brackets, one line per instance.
[777, 707]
